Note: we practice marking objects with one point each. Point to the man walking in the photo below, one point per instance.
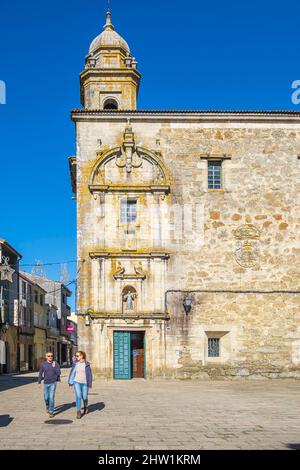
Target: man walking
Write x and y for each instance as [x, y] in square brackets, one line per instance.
[50, 372]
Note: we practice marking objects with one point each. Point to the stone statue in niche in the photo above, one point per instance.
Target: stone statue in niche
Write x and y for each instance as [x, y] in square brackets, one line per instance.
[129, 298]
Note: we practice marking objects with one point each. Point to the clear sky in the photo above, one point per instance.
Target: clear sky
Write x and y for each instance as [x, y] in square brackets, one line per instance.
[192, 55]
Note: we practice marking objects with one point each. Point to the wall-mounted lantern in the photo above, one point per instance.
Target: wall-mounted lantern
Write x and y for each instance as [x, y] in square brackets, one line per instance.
[187, 304]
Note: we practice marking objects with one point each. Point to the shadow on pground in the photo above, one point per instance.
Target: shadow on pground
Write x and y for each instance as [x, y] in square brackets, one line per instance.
[8, 382]
[91, 408]
[5, 420]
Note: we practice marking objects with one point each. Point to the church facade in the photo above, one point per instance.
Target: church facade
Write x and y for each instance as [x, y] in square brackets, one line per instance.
[188, 232]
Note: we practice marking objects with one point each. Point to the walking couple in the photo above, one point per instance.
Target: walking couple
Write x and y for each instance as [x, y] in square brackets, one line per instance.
[80, 377]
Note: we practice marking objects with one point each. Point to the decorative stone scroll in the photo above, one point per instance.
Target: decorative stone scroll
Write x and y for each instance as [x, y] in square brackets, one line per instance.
[130, 159]
[129, 156]
[120, 273]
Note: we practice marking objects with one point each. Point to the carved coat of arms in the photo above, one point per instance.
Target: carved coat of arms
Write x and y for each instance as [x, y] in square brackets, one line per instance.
[247, 245]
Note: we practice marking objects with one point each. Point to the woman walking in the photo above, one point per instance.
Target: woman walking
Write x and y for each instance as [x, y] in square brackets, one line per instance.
[81, 378]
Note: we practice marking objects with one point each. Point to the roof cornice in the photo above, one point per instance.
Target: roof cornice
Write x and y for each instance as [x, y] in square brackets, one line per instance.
[187, 115]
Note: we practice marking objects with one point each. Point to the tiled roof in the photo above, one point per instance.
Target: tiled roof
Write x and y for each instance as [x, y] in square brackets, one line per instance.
[27, 276]
[5, 243]
[209, 111]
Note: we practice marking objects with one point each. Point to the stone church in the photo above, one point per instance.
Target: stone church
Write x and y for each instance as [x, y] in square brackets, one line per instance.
[188, 231]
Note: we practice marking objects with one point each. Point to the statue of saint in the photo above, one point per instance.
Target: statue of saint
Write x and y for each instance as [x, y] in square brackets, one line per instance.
[129, 299]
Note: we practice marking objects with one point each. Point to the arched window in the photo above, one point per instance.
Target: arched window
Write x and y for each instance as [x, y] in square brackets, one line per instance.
[110, 104]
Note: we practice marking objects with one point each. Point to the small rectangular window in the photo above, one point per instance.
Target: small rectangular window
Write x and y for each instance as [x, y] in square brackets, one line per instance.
[36, 297]
[128, 211]
[24, 290]
[214, 174]
[213, 347]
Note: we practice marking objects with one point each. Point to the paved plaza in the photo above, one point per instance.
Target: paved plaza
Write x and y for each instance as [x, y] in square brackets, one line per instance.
[153, 415]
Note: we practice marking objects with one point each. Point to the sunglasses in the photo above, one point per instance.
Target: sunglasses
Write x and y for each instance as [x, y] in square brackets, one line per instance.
[49, 355]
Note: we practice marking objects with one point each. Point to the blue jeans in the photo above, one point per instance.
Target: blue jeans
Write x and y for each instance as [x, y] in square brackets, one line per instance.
[81, 393]
[49, 395]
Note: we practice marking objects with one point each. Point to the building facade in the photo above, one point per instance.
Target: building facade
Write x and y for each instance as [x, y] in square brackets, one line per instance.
[52, 328]
[188, 232]
[40, 309]
[72, 328]
[26, 323]
[9, 308]
[56, 298]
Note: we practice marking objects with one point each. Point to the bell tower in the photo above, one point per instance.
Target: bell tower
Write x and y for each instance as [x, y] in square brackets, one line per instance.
[110, 80]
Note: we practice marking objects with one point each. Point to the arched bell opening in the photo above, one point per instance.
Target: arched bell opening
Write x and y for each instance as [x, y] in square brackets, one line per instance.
[110, 104]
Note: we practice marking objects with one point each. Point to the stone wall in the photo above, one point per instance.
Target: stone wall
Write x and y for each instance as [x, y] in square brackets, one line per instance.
[244, 237]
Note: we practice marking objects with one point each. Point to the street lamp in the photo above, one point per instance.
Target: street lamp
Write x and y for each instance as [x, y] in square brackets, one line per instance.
[187, 304]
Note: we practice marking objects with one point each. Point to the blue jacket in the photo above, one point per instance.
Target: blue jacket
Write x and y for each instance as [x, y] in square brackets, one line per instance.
[88, 374]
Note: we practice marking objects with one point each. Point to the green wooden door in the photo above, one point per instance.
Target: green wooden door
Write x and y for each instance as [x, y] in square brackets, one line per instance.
[122, 355]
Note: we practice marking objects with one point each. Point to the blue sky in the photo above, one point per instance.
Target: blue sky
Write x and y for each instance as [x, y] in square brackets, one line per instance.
[192, 55]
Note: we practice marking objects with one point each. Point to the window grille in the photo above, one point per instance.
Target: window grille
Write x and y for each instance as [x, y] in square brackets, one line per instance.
[213, 347]
[214, 174]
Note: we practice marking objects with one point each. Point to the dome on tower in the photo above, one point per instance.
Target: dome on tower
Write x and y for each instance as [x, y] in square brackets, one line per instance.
[109, 37]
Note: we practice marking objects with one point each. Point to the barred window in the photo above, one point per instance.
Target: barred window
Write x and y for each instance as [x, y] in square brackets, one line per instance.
[128, 211]
[214, 174]
[213, 347]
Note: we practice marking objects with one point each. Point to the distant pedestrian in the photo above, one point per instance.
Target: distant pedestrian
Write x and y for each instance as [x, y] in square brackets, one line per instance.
[50, 372]
[81, 377]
